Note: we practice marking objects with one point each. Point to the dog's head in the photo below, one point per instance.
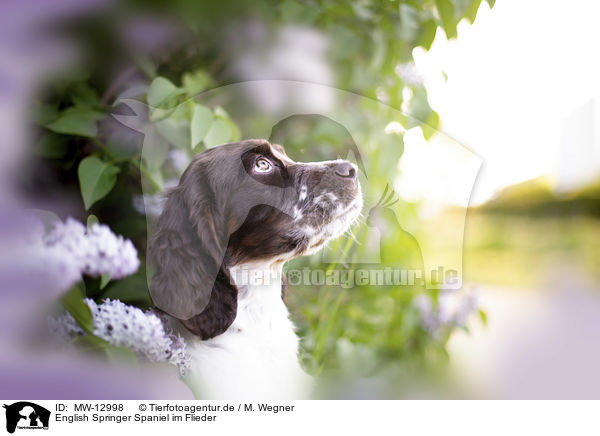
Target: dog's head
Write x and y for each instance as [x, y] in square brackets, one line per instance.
[242, 202]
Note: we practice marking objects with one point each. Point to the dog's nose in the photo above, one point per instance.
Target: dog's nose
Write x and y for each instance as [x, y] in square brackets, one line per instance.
[346, 170]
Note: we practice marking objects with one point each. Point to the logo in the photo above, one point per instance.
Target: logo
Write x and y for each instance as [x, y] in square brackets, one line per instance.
[26, 415]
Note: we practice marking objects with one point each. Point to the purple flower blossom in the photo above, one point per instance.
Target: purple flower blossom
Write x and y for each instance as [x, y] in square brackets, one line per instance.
[152, 204]
[63, 328]
[128, 326]
[95, 250]
[29, 264]
[410, 74]
[453, 309]
[179, 159]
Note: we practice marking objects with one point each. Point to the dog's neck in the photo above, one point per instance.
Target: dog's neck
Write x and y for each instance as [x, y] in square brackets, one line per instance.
[256, 278]
[258, 354]
[260, 305]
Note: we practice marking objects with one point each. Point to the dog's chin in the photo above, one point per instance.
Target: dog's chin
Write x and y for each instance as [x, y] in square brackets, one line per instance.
[341, 220]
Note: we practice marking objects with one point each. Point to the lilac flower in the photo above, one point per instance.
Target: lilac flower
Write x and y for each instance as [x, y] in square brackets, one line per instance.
[95, 250]
[63, 328]
[128, 326]
[53, 263]
[153, 204]
[29, 264]
[32, 260]
[179, 159]
[453, 309]
[410, 74]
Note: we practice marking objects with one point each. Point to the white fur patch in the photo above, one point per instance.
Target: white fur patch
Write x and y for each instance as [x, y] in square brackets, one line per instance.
[345, 218]
[325, 198]
[303, 193]
[257, 357]
[297, 213]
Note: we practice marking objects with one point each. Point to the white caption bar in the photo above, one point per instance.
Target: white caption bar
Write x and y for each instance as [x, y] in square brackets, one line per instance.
[303, 417]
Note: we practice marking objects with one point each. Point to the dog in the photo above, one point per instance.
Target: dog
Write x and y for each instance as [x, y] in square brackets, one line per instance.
[240, 211]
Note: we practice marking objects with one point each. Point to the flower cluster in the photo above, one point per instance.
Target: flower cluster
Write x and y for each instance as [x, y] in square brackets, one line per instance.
[152, 204]
[63, 328]
[410, 74]
[453, 309]
[50, 266]
[179, 159]
[128, 326]
[95, 250]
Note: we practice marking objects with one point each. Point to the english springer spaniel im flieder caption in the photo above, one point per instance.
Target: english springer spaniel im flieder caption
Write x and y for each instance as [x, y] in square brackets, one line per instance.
[242, 210]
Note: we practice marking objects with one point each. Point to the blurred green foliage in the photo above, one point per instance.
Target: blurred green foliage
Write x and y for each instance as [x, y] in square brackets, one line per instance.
[529, 251]
[529, 233]
[164, 54]
[535, 198]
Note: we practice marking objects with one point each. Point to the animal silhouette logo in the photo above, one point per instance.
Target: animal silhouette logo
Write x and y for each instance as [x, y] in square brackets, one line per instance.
[382, 215]
[26, 415]
[385, 201]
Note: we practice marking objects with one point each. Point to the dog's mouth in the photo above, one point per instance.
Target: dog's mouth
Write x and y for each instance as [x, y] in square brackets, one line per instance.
[328, 214]
[344, 217]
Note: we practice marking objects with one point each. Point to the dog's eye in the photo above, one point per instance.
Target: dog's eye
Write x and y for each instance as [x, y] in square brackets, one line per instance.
[262, 165]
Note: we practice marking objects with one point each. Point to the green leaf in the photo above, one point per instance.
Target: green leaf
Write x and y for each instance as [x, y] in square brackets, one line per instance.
[298, 12]
[154, 175]
[201, 121]
[94, 344]
[471, 11]
[160, 91]
[92, 219]
[145, 64]
[196, 82]
[83, 94]
[77, 120]
[427, 34]
[73, 302]
[409, 22]
[199, 148]
[419, 109]
[235, 133]
[120, 354]
[104, 279]
[483, 317]
[91, 343]
[218, 134]
[51, 146]
[96, 179]
[176, 131]
[155, 149]
[446, 11]
[431, 125]
[45, 113]
[491, 3]
[220, 112]
[158, 114]
[184, 111]
[132, 289]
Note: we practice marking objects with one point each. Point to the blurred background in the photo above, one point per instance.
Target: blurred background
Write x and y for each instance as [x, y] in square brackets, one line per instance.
[479, 117]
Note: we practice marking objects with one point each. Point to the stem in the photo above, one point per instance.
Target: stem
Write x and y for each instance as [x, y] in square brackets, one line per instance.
[146, 174]
[104, 149]
[132, 160]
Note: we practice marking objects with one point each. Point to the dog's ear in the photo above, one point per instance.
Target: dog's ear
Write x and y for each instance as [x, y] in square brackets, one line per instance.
[187, 252]
[220, 312]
